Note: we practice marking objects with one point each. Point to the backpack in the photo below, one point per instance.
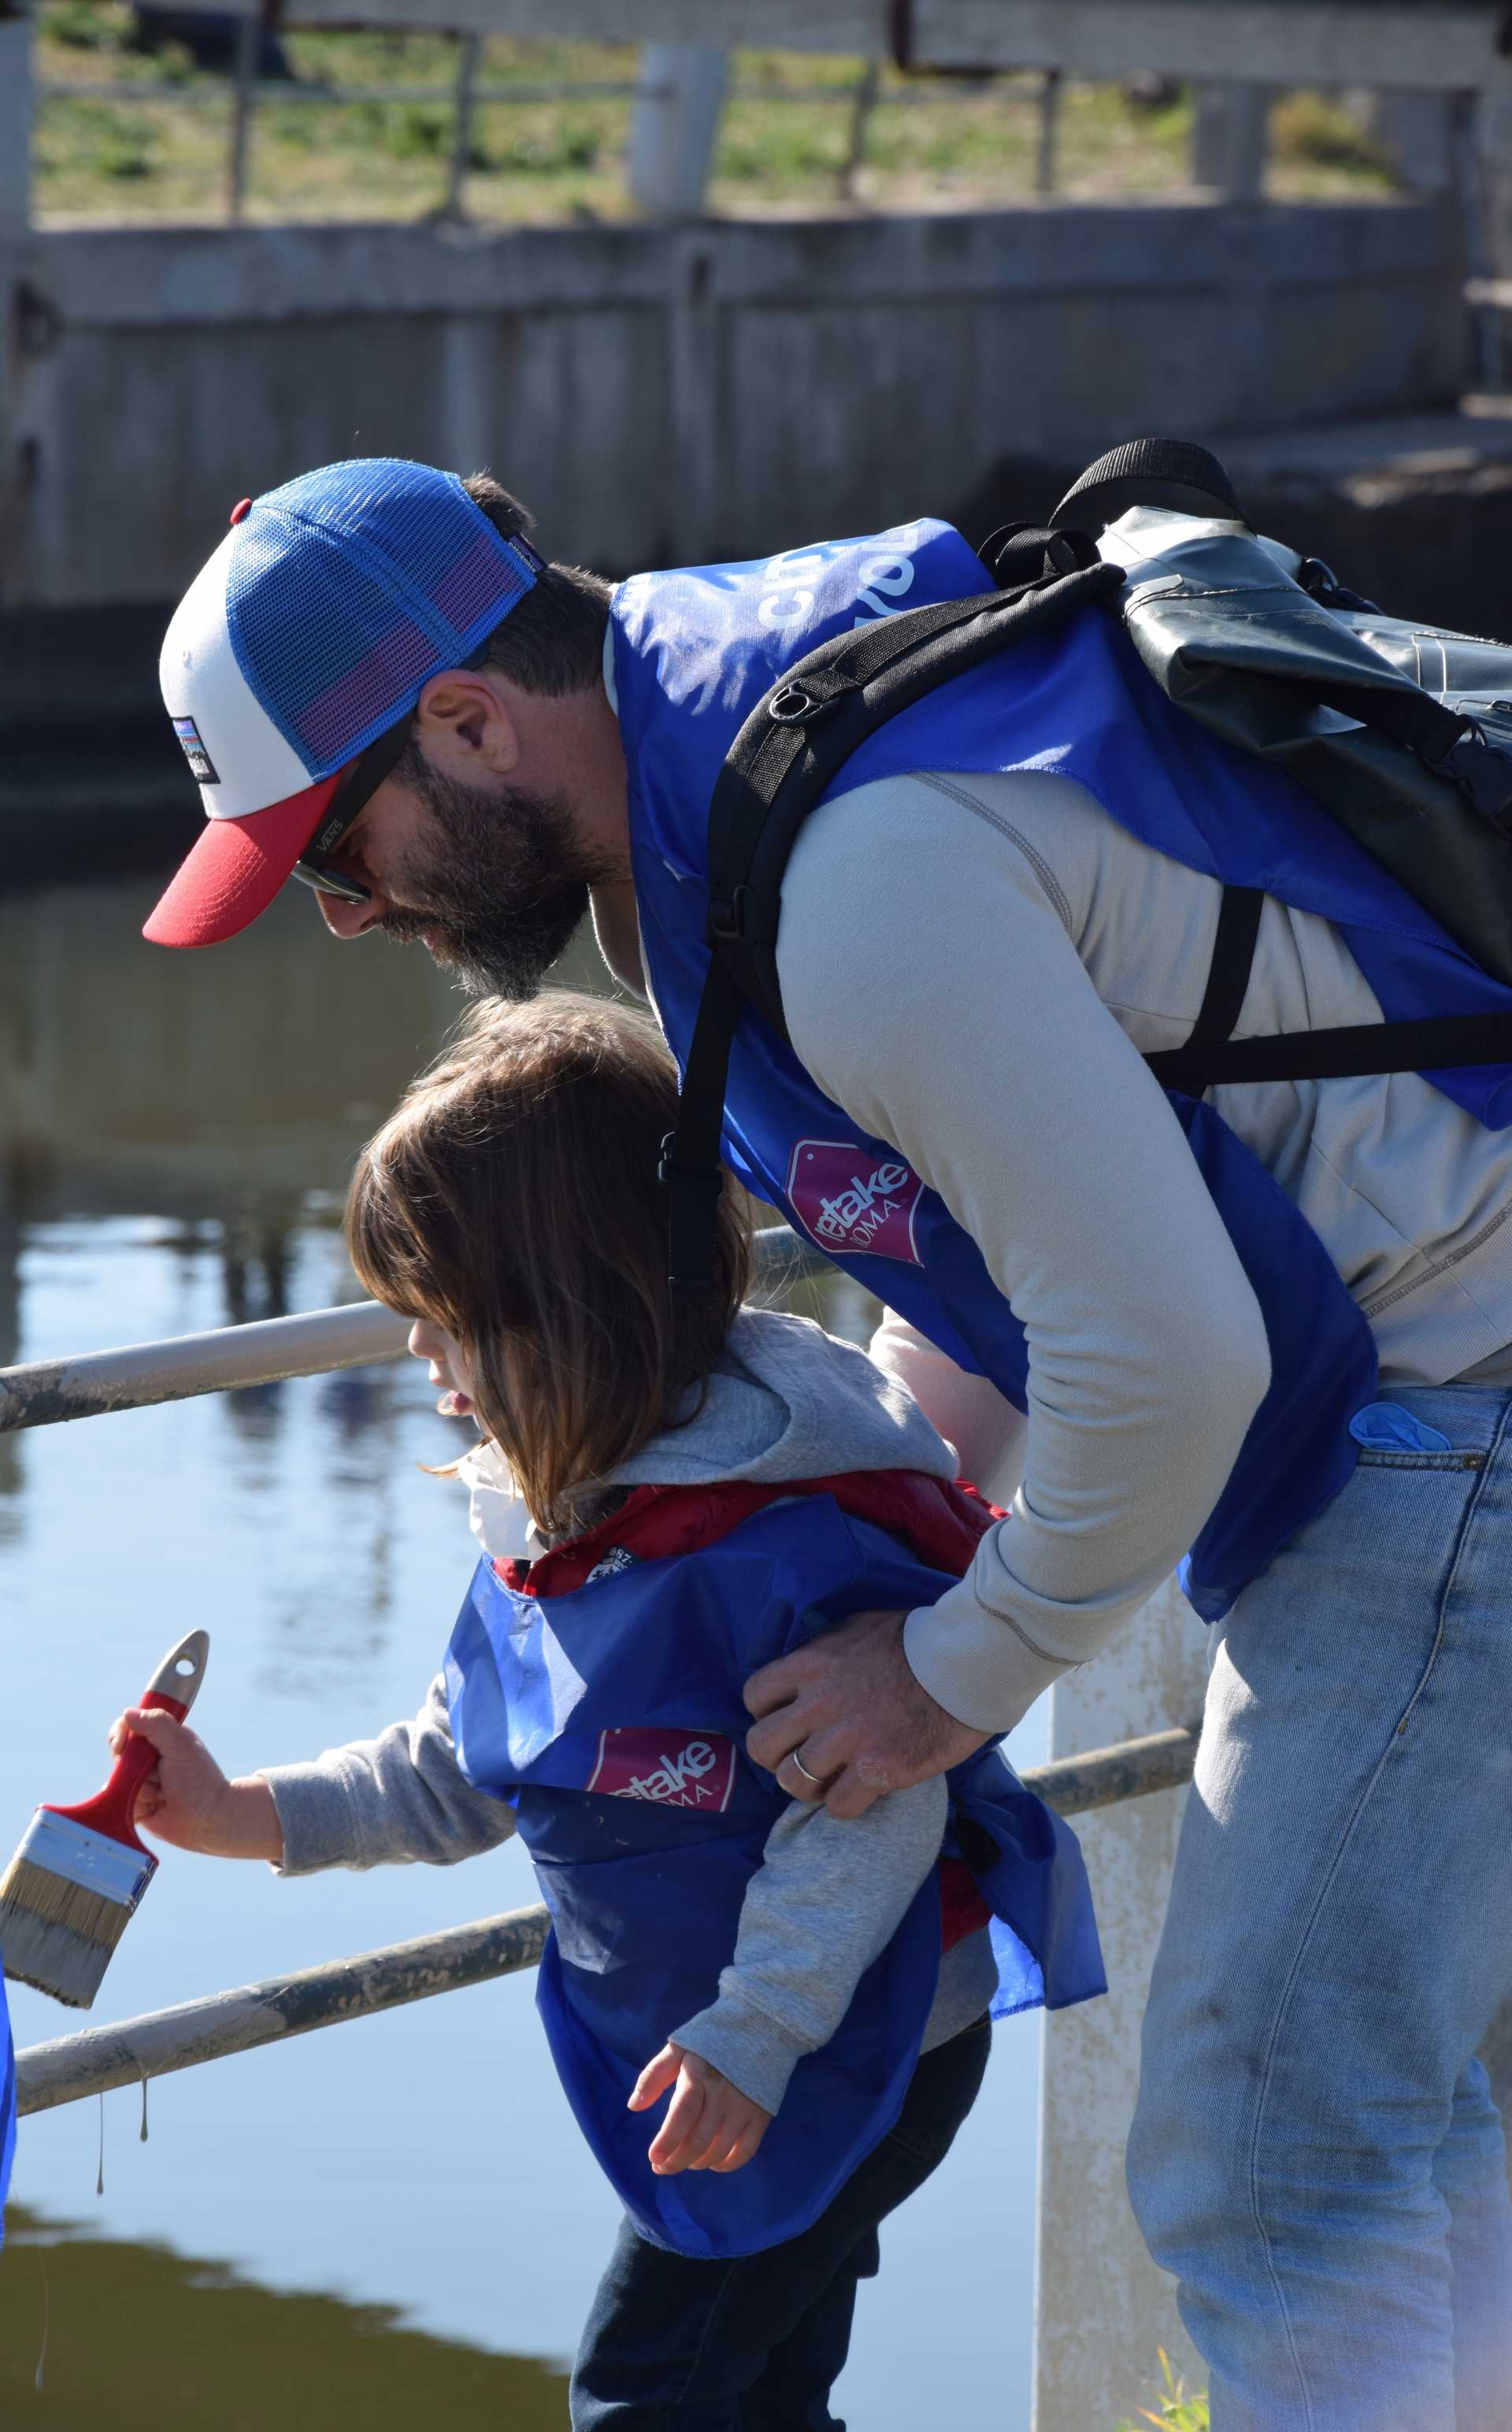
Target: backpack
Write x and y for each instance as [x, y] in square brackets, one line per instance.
[1402, 732]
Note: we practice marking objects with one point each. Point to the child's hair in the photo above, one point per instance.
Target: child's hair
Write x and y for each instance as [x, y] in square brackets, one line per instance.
[513, 1198]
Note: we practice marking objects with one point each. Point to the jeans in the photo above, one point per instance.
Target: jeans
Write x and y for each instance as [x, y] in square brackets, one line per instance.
[1315, 2152]
[675, 2343]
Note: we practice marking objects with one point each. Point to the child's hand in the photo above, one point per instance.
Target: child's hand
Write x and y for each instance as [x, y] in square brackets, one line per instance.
[186, 1797]
[710, 2125]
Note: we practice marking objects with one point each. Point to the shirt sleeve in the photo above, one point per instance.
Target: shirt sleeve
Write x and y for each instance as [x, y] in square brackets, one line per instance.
[951, 1014]
[393, 1800]
[826, 1901]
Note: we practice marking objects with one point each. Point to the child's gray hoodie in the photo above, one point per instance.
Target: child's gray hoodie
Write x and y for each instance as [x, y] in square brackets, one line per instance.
[788, 1401]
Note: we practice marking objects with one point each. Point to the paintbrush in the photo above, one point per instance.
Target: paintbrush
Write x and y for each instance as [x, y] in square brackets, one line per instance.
[72, 1887]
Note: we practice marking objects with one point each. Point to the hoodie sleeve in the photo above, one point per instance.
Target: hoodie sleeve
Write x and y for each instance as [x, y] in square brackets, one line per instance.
[388, 1801]
[826, 1899]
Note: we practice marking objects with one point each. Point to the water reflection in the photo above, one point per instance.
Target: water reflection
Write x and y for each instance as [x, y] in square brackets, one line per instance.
[138, 2336]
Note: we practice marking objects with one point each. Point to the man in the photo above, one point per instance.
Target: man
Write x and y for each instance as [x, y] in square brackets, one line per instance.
[1160, 1320]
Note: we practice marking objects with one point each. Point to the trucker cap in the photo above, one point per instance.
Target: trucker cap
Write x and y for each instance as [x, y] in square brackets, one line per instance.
[326, 610]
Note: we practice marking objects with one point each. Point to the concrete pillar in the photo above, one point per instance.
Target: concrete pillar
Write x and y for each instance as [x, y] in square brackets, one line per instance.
[1229, 139]
[676, 120]
[15, 217]
[1416, 132]
[1101, 2307]
[16, 120]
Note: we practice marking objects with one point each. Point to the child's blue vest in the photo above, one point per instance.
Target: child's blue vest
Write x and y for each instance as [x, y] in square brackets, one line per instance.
[610, 1715]
[694, 651]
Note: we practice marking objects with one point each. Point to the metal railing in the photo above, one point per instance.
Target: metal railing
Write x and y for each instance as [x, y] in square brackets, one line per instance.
[466, 93]
[101, 2058]
[43, 1393]
[47, 1393]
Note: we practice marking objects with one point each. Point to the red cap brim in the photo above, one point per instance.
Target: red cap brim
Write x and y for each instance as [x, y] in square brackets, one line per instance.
[237, 868]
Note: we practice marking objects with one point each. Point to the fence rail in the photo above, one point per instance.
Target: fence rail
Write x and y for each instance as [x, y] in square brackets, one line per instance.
[43, 1393]
[101, 2058]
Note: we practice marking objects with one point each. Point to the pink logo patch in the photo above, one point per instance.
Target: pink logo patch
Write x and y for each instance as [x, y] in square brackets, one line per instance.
[849, 1199]
[677, 1769]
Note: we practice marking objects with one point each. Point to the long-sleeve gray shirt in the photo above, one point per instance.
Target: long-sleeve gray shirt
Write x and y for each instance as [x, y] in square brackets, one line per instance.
[788, 1402]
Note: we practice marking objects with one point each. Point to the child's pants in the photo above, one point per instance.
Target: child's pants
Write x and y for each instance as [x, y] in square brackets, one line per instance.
[677, 2345]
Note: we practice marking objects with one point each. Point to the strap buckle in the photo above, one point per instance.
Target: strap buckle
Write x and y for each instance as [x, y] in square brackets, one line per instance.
[726, 923]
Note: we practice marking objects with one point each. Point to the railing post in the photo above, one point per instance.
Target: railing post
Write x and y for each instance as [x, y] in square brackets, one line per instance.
[243, 98]
[676, 120]
[469, 53]
[1228, 140]
[1047, 146]
[1101, 2307]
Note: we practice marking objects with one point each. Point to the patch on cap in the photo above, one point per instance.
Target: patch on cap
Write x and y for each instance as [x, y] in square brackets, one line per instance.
[202, 767]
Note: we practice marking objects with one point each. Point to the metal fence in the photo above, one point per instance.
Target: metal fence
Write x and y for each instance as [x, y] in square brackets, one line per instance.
[46, 1393]
[468, 92]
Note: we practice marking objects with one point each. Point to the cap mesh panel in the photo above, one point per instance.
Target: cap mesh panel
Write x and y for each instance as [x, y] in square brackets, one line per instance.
[348, 588]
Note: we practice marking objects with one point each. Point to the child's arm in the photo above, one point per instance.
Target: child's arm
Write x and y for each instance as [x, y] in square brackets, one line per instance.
[386, 1801]
[826, 1901]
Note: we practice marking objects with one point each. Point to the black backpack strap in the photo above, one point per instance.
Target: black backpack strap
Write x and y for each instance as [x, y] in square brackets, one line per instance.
[1171, 473]
[1441, 1043]
[794, 742]
[1212, 1055]
[800, 736]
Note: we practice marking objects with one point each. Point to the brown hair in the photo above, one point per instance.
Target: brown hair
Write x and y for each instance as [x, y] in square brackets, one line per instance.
[552, 641]
[513, 1198]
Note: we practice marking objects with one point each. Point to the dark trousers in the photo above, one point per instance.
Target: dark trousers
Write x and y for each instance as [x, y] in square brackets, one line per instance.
[676, 2344]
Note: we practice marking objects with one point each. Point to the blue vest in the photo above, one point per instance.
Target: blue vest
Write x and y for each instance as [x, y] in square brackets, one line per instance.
[694, 652]
[610, 1718]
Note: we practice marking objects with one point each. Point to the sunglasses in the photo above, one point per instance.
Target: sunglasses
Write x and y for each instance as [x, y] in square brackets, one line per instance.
[351, 799]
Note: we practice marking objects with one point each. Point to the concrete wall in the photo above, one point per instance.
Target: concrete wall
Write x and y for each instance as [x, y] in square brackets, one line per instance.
[665, 393]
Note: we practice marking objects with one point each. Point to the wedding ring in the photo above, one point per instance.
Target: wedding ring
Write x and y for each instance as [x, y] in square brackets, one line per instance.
[804, 1771]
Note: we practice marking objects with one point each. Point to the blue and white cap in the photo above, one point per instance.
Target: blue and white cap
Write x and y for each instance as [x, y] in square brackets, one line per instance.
[323, 613]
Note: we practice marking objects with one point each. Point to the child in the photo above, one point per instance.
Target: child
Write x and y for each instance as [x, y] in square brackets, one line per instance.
[707, 1489]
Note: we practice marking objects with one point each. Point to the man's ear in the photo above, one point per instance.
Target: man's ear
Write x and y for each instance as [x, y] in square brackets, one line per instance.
[464, 726]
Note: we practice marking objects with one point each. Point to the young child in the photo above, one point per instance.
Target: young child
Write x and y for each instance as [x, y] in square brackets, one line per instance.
[707, 1489]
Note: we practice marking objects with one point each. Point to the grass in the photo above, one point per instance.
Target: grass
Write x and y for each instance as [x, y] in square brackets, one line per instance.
[1174, 2409]
[138, 155]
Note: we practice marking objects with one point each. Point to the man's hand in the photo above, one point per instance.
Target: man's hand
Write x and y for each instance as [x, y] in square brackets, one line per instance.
[710, 2125]
[849, 1706]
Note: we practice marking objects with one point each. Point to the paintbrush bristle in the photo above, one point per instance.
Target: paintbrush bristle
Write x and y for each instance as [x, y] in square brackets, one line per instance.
[56, 1932]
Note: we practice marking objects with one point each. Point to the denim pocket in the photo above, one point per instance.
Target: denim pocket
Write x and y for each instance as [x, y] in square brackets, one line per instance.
[1370, 1460]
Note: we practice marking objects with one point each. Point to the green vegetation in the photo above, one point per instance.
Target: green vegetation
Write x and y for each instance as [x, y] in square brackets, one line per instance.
[928, 145]
[1172, 2407]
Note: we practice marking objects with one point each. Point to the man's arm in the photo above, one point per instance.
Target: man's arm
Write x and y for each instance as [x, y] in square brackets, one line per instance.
[952, 1015]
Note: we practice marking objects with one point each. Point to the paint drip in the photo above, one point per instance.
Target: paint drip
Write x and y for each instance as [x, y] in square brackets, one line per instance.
[47, 2317]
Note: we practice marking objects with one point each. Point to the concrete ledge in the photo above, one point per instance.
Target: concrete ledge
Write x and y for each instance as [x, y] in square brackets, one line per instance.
[672, 394]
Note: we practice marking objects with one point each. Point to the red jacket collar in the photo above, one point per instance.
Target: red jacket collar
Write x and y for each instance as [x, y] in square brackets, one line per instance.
[941, 1524]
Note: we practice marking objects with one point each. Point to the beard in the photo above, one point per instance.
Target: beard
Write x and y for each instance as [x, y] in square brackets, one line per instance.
[500, 886]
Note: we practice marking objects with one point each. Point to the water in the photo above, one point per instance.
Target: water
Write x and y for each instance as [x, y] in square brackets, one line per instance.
[397, 2212]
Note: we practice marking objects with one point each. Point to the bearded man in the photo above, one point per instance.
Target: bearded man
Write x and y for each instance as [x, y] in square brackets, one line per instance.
[1268, 1327]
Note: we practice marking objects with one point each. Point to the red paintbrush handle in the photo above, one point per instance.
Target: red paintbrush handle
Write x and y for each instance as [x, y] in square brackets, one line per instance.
[135, 1762]
[172, 1690]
